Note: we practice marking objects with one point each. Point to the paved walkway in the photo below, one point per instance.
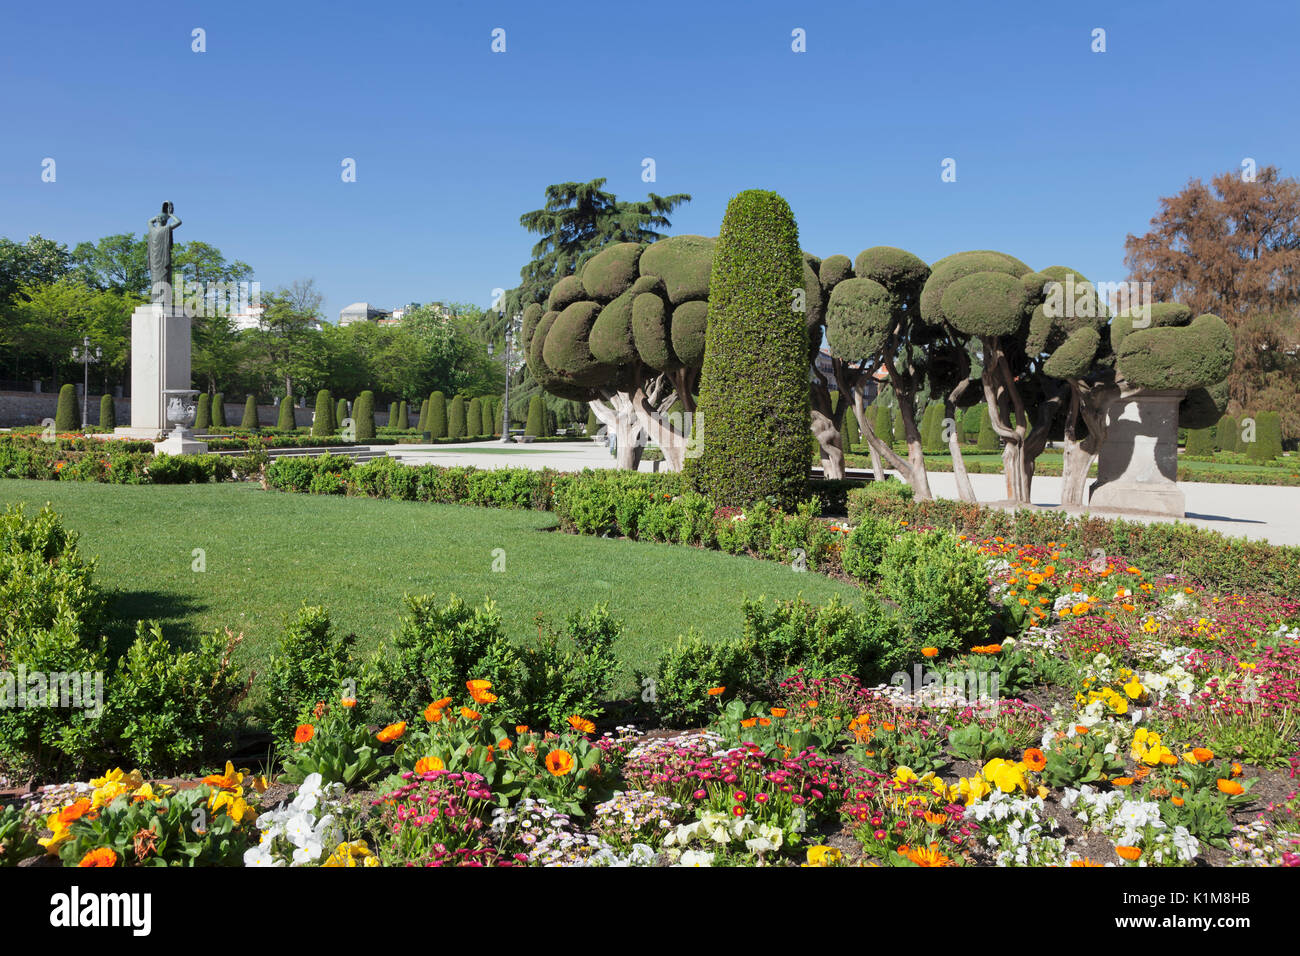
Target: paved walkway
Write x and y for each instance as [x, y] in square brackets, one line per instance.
[1262, 512]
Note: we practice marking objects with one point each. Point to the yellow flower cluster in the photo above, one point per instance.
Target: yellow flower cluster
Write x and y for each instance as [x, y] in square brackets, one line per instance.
[228, 793]
[1149, 750]
[357, 853]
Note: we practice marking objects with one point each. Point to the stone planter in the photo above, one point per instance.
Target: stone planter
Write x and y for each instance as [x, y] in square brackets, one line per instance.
[1137, 465]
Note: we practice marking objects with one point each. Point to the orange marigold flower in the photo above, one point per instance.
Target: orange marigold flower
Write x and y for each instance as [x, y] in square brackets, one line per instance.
[74, 811]
[930, 652]
[715, 691]
[1230, 787]
[749, 722]
[479, 690]
[469, 714]
[428, 764]
[1129, 853]
[391, 732]
[1122, 781]
[559, 762]
[1202, 754]
[504, 744]
[1085, 862]
[779, 711]
[433, 714]
[521, 728]
[101, 856]
[582, 725]
[1236, 770]
[1034, 759]
[349, 702]
[304, 733]
[765, 721]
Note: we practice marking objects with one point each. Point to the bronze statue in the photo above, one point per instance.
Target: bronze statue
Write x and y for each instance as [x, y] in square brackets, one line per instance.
[160, 254]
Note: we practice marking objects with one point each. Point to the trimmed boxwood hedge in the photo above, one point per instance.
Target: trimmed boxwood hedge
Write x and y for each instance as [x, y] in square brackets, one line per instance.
[754, 402]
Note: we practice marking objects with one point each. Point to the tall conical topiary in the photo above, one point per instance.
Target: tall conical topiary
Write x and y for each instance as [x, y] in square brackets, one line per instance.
[437, 423]
[107, 413]
[455, 418]
[754, 411]
[363, 416]
[899, 430]
[423, 422]
[493, 416]
[1244, 430]
[1272, 426]
[474, 418]
[536, 425]
[341, 412]
[392, 415]
[932, 429]
[852, 435]
[551, 424]
[203, 416]
[988, 438]
[219, 410]
[250, 413]
[286, 421]
[1225, 434]
[403, 415]
[1200, 442]
[970, 422]
[884, 423]
[593, 423]
[323, 424]
[66, 416]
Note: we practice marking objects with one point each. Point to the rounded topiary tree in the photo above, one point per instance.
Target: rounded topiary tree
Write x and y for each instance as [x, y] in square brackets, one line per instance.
[1200, 441]
[286, 421]
[250, 414]
[219, 410]
[363, 416]
[323, 423]
[66, 417]
[436, 423]
[456, 418]
[755, 417]
[203, 416]
[536, 425]
[107, 413]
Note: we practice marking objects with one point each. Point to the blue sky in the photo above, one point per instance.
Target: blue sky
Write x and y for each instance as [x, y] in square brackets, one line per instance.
[1060, 151]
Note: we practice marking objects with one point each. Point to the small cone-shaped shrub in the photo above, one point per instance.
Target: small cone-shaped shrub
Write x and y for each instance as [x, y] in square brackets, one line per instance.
[67, 418]
[392, 415]
[286, 420]
[1200, 441]
[323, 424]
[1225, 434]
[900, 433]
[363, 416]
[988, 440]
[932, 429]
[219, 410]
[203, 417]
[536, 426]
[455, 417]
[107, 413]
[1240, 445]
[403, 415]
[852, 436]
[551, 424]
[250, 413]
[970, 422]
[437, 423]
[1271, 426]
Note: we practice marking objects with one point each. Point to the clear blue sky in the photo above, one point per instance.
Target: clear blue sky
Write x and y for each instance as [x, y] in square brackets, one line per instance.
[1060, 151]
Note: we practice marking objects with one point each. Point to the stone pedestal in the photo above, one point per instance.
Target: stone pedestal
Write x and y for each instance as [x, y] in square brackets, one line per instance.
[180, 442]
[1137, 466]
[160, 360]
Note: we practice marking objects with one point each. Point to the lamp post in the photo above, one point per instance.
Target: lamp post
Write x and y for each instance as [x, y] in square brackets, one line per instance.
[86, 357]
[515, 320]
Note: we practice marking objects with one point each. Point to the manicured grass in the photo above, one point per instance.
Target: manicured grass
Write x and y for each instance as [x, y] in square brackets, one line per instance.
[267, 552]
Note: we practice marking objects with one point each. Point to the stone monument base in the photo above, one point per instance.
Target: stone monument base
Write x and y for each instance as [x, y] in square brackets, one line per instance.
[137, 434]
[179, 443]
[1137, 466]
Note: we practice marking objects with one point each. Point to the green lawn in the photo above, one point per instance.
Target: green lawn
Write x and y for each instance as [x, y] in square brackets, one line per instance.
[267, 552]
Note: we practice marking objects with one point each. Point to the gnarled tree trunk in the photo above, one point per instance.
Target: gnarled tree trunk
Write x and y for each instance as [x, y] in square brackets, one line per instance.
[620, 418]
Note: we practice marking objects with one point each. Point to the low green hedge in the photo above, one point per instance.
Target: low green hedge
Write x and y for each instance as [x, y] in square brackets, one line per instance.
[1203, 557]
[119, 463]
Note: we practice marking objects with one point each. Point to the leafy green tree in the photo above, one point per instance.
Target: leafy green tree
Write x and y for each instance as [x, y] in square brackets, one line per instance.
[754, 394]
[36, 262]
